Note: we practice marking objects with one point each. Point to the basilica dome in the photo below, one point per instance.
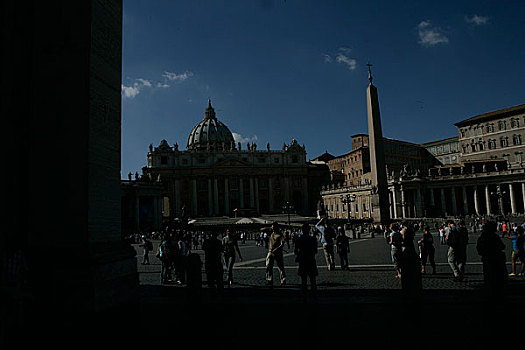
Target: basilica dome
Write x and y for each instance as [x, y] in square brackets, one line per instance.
[210, 134]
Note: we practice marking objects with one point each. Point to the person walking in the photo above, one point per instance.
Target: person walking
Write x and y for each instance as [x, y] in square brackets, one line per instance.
[518, 252]
[343, 248]
[162, 254]
[305, 249]
[427, 250]
[180, 255]
[442, 235]
[409, 263]
[504, 230]
[491, 249]
[327, 240]
[275, 253]
[230, 247]
[212, 247]
[395, 247]
[457, 240]
[148, 246]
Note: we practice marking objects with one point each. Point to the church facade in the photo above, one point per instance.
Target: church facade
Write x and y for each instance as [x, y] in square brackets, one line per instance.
[214, 176]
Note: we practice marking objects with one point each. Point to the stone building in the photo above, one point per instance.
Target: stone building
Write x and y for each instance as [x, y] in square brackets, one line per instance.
[446, 150]
[214, 176]
[355, 165]
[494, 135]
[479, 172]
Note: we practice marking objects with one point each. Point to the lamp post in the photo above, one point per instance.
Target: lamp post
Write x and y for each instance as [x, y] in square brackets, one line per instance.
[348, 199]
[288, 207]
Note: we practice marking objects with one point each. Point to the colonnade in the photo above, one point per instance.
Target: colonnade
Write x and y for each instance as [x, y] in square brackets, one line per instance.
[253, 192]
[412, 200]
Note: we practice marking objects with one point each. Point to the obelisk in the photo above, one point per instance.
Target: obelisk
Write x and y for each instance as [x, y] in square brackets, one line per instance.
[379, 196]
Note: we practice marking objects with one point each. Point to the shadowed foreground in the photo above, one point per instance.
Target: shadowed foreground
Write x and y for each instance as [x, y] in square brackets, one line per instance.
[256, 318]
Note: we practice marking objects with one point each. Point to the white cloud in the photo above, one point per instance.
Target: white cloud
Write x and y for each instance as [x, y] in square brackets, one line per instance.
[430, 35]
[140, 84]
[476, 19]
[134, 89]
[350, 62]
[343, 56]
[239, 138]
[144, 82]
[177, 77]
[130, 91]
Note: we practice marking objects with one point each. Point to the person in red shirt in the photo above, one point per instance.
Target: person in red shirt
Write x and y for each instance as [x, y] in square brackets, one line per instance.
[505, 230]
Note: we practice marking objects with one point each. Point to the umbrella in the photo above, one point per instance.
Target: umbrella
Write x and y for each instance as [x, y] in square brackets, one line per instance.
[244, 221]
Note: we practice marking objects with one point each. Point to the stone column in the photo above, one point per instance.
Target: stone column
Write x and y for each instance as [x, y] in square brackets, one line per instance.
[394, 202]
[419, 204]
[252, 197]
[216, 196]
[360, 206]
[194, 196]
[523, 194]
[476, 200]
[72, 44]
[465, 200]
[431, 198]
[513, 204]
[443, 201]
[403, 203]
[155, 212]
[256, 183]
[226, 197]
[305, 194]
[287, 189]
[241, 193]
[390, 204]
[453, 198]
[177, 199]
[487, 198]
[210, 198]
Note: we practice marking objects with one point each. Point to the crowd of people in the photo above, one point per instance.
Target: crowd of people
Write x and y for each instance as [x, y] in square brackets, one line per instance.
[409, 263]
[489, 246]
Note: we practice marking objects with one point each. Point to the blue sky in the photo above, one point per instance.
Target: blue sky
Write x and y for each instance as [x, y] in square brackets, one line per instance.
[283, 69]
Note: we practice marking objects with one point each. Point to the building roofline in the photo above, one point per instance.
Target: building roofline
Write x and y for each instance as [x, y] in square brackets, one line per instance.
[504, 112]
[440, 140]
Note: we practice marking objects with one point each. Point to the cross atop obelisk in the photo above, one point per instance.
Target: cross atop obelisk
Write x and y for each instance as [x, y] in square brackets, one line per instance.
[369, 72]
[379, 193]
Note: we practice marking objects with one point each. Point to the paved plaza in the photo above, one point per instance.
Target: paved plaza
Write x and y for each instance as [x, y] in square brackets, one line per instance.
[365, 303]
[371, 269]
